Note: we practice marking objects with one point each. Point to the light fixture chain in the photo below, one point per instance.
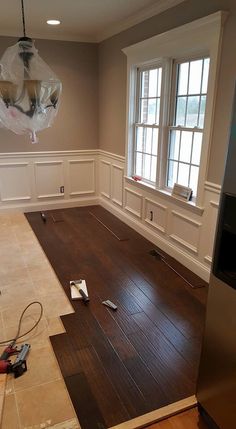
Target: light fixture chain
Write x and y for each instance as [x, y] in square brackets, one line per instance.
[23, 16]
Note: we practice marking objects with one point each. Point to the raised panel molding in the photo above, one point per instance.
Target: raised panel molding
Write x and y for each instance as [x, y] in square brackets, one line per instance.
[214, 204]
[117, 177]
[185, 231]
[213, 187]
[211, 220]
[208, 259]
[15, 182]
[49, 177]
[159, 216]
[133, 202]
[105, 178]
[81, 176]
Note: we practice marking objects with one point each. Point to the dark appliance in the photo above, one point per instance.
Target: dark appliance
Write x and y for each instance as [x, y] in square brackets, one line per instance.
[216, 387]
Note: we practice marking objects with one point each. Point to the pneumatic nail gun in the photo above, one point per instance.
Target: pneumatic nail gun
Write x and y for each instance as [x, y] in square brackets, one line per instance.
[18, 367]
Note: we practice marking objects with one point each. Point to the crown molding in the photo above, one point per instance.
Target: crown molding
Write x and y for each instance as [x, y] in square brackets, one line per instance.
[142, 15]
[46, 36]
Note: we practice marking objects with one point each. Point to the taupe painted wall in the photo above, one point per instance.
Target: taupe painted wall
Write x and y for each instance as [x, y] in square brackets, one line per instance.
[93, 111]
[112, 77]
[76, 125]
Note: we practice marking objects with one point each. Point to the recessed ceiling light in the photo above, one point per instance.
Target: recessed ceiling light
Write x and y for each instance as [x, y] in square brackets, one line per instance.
[53, 22]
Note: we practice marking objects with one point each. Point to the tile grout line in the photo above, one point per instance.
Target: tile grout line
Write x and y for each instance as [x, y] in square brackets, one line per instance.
[17, 410]
[38, 385]
[18, 241]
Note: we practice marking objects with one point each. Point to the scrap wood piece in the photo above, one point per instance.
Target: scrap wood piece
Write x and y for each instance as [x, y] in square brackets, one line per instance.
[117, 228]
[56, 216]
[184, 273]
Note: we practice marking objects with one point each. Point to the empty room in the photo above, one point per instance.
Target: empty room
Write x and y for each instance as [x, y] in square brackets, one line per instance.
[117, 214]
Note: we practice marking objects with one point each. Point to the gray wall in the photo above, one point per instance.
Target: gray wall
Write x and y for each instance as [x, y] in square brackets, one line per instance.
[76, 125]
[112, 77]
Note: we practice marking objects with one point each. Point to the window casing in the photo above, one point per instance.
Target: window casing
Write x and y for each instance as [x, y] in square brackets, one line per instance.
[194, 40]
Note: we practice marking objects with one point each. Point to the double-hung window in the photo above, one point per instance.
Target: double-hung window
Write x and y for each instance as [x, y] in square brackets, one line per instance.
[185, 114]
[172, 81]
[190, 81]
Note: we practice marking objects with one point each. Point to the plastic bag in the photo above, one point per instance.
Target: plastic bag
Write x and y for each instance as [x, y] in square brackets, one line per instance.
[29, 90]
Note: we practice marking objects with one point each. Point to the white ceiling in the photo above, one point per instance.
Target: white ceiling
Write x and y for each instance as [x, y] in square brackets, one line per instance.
[81, 20]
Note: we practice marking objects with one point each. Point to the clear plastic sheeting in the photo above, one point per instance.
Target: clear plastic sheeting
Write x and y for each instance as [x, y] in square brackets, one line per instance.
[29, 90]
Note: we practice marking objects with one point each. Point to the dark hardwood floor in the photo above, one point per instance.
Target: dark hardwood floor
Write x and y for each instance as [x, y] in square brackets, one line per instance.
[121, 364]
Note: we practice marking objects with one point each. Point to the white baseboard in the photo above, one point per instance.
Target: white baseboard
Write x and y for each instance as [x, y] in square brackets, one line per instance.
[172, 250]
[50, 205]
[158, 415]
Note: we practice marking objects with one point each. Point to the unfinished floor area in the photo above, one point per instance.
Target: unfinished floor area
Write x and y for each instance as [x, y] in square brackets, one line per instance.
[39, 399]
[118, 365]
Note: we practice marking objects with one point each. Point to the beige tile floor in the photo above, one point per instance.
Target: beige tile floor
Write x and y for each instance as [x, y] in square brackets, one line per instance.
[38, 399]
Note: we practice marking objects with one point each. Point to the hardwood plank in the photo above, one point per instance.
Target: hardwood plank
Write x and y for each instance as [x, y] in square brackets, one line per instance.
[130, 358]
[175, 387]
[132, 297]
[146, 302]
[102, 387]
[169, 286]
[150, 388]
[66, 355]
[84, 402]
[159, 272]
[126, 388]
[164, 347]
[143, 356]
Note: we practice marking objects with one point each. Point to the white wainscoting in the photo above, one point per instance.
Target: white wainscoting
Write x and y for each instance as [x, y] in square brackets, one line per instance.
[14, 182]
[35, 181]
[82, 176]
[185, 232]
[156, 214]
[117, 177]
[133, 202]
[105, 178]
[208, 236]
[49, 178]
[41, 180]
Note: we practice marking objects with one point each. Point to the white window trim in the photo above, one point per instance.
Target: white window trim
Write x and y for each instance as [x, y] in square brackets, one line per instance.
[161, 64]
[194, 38]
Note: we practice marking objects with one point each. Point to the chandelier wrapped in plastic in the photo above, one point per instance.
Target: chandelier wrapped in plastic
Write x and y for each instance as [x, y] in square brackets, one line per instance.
[29, 90]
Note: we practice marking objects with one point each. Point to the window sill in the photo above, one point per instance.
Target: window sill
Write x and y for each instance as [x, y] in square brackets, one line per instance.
[188, 205]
